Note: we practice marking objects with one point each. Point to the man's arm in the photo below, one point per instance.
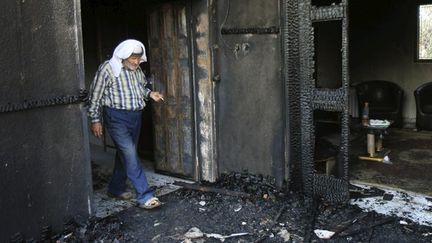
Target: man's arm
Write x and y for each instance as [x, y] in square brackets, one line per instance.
[97, 89]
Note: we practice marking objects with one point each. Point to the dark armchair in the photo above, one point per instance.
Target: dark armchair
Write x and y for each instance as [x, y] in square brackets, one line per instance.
[423, 98]
[385, 100]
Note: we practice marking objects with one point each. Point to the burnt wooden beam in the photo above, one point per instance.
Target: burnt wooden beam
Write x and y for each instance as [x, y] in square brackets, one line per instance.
[211, 189]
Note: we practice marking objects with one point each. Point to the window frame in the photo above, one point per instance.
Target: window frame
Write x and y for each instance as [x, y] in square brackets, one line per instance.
[417, 40]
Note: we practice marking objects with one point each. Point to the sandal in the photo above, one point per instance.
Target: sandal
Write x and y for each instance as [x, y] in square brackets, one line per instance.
[151, 203]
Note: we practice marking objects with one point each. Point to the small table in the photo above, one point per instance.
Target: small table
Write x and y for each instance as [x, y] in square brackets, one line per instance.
[375, 150]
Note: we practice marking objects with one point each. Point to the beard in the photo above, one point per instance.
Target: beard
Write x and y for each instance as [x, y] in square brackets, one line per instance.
[130, 66]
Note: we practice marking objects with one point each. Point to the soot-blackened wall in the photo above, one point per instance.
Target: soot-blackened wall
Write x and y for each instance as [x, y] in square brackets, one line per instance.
[44, 156]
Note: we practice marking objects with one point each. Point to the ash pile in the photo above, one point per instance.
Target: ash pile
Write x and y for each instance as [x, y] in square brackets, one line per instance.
[254, 186]
[241, 207]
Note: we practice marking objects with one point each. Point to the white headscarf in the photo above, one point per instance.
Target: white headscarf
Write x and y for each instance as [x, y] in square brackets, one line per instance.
[123, 51]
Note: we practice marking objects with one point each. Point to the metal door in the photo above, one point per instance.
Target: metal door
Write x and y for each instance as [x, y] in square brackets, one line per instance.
[44, 157]
[170, 65]
[250, 90]
[312, 98]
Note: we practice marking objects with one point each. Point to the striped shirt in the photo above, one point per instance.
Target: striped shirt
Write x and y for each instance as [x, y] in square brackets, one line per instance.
[126, 92]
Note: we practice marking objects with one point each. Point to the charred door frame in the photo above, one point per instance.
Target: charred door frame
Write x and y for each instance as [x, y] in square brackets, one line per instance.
[290, 74]
[312, 98]
[202, 42]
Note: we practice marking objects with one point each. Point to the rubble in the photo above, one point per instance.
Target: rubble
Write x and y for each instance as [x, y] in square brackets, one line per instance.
[283, 217]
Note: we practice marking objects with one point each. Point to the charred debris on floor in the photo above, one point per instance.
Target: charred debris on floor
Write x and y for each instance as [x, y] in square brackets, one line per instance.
[274, 215]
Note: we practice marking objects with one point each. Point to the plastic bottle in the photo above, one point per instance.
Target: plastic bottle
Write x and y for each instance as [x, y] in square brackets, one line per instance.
[365, 114]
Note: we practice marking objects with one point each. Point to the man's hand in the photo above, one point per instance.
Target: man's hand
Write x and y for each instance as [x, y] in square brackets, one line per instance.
[96, 129]
[156, 96]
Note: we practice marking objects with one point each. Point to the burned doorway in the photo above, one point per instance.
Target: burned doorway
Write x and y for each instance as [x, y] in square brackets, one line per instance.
[383, 47]
[166, 141]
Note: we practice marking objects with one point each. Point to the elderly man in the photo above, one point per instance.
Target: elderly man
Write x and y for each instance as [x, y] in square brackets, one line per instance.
[119, 90]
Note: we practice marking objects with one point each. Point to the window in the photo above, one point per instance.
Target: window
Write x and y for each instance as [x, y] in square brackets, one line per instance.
[424, 35]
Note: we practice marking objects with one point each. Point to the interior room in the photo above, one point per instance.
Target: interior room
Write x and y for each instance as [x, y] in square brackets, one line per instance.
[389, 66]
[105, 24]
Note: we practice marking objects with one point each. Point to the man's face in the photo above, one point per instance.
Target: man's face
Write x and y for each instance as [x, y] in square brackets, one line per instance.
[132, 63]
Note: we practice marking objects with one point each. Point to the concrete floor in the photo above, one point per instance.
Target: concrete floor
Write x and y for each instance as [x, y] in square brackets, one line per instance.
[410, 165]
[411, 161]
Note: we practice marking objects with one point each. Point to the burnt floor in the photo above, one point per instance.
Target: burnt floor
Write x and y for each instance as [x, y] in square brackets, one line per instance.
[410, 156]
[280, 216]
[264, 215]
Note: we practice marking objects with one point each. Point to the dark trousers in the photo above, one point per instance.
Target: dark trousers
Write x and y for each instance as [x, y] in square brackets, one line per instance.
[124, 128]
